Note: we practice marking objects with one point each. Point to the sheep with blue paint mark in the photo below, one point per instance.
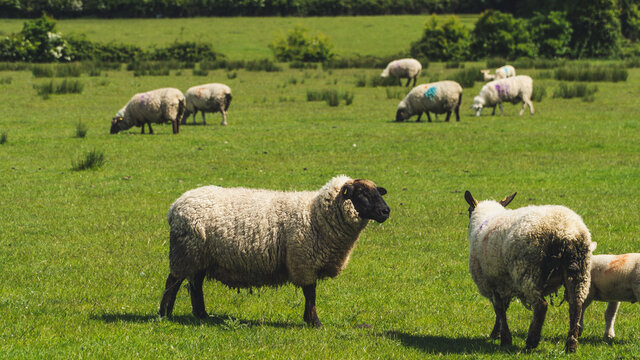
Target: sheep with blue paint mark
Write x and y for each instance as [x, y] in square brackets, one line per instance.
[514, 90]
[438, 97]
[404, 68]
[501, 73]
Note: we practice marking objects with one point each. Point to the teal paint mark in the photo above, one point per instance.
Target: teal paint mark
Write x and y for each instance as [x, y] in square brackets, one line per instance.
[430, 93]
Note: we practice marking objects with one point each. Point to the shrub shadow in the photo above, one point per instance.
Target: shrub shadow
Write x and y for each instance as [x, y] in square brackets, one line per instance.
[212, 320]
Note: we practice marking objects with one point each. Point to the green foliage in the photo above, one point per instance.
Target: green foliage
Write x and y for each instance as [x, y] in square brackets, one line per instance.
[65, 87]
[500, 34]
[587, 72]
[200, 72]
[539, 63]
[37, 42]
[538, 93]
[629, 19]
[84, 49]
[6, 80]
[442, 40]
[92, 160]
[365, 61]
[596, 28]
[81, 130]
[569, 91]
[467, 77]
[395, 93]
[188, 51]
[298, 46]
[302, 65]
[331, 96]
[551, 33]
[262, 65]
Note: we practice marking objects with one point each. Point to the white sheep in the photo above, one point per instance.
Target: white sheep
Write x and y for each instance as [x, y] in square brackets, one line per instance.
[158, 106]
[501, 73]
[438, 97]
[253, 237]
[528, 253]
[404, 68]
[514, 89]
[208, 98]
[614, 278]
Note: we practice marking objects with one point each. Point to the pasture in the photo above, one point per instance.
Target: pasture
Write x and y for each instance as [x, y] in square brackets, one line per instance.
[85, 253]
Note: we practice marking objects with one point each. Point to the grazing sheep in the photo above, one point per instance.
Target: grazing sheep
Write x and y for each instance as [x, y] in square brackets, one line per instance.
[403, 68]
[614, 278]
[208, 98]
[159, 106]
[254, 237]
[438, 97]
[528, 253]
[501, 73]
[514, 89]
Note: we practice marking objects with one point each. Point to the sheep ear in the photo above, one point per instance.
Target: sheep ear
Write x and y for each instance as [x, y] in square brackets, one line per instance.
[470, 200]
[347, 191]
[504, 202]
[382, 191]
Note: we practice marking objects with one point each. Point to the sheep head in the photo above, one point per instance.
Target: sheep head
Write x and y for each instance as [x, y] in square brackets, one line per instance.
[478, 104]
[473, 203]
[114, 124]
[367, 199]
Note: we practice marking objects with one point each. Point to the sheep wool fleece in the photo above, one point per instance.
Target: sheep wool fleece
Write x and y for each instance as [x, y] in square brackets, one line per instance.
[438, 97]
[512, 252]
[254, 237]
[157, 106]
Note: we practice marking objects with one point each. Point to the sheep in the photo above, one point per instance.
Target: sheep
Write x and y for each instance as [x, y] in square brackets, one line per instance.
[501, 73]
[253, 237]
[514, 89]
[438, 97]
[614, 278]
[160, 105]
[404, 68]
[528, 253]
[208, 98]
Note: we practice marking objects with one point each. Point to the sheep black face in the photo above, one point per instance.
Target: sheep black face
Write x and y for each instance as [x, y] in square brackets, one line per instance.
[367, 199]
[114, 124]
[401, 115]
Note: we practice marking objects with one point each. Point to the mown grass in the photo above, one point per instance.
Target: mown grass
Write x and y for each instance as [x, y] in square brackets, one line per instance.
[85, 252]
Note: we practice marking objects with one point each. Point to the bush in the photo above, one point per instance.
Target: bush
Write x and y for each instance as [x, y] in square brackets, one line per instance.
[551, 33]
[298, 46]
[262, 65]
[37, 42]
[200, 72]
[91, 160]
[6, 80]
[586, 72]
[302, 65]
[538, 93]
[500, 34]
[188, 51]
[467, 77]
[581, 90]
[596, 28]
[65, 87]
[442, 41]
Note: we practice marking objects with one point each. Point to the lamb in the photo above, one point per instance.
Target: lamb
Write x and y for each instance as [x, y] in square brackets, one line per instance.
[528, 253]
[514, 89]
[438, 97]
[160, 105]
[253, 237]
[501, 73]
[208, 98]
[404, 68]
[614, 278]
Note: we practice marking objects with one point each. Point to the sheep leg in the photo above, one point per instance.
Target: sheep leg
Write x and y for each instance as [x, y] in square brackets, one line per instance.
[428, 117]
[224, 117]
[495, 333]
[500, 307]
[194, 117]
[150, 129]
[204, 122]
[169, 295]
[310, 315]
[457, 109]
[415, 79]
[408, 82]
[525, 103]
[494, 110]
[585, 305]
[197, 297]
[501, 111]
[610, 319]
[539, 313]
[448, 116]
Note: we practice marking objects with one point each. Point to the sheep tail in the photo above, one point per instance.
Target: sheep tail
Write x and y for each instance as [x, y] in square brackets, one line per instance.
[227, 101]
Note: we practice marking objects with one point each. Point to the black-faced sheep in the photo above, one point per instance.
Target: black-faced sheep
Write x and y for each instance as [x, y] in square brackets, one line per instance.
[528, 253]
[438, 97]
[403, 68]
[208, 98]
[158, 106]
[252, 237]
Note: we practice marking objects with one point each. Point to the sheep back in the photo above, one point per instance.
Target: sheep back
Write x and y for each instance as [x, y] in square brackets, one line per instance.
[208, 97]
[403, 68]
[516, 252]
[252, 237]
[615, 277]
[438, 97]
[157, 106]
[505, 72]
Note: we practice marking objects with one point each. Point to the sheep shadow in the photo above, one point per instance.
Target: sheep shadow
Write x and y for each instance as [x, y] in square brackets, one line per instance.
[226, 321]
[435, 344]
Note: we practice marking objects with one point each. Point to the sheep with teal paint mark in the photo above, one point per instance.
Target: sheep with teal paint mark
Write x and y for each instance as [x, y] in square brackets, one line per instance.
[404, 68]
[501, 73]
[514, 90]
[438, 97]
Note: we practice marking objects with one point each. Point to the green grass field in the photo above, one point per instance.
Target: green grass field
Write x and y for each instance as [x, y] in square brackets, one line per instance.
[85, 253]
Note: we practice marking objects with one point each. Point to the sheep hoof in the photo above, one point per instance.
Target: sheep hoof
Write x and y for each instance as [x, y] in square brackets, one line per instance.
[572, 345]
[201, 314]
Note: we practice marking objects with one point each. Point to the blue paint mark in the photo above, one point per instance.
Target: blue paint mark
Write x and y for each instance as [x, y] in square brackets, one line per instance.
[430, 93]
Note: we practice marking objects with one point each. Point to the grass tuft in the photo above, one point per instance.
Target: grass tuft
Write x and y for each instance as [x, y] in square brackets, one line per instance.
[81, 130]
[92, 160]
[3, 138]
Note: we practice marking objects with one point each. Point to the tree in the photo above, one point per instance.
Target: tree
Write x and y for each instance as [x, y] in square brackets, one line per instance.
[596, 28]
[499, 34]
[551, 33]
[442, 41]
